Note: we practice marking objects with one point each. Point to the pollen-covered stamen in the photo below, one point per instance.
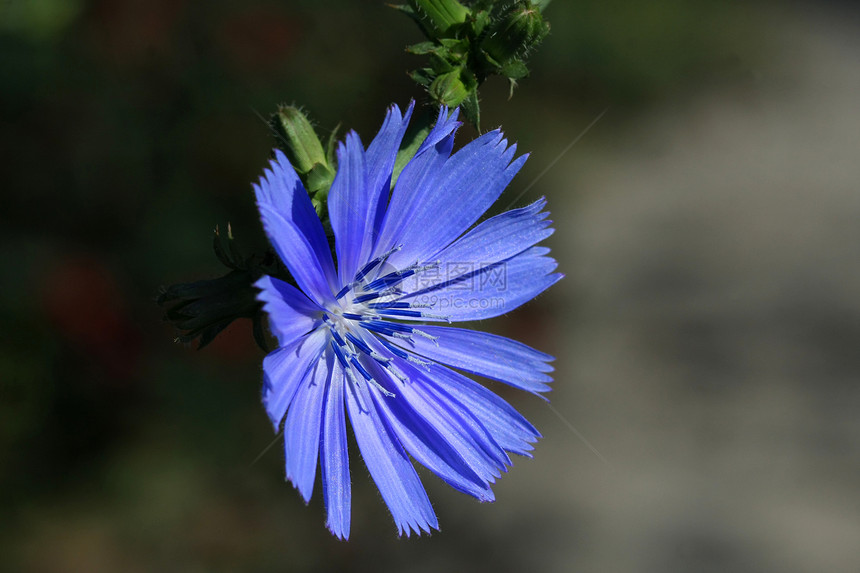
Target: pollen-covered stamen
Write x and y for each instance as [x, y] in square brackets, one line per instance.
[361, 370]
[395, 350]
[405, 310]
[365, 270]
[339, 354]
[396, 312]
[367, 297]
[430, 337]
[344, 348]
[400, 353]
[387, 328]
[367, 376]
[397, 373]
[375, 263]
[396, 330]
[344, 290]
[396, 277]
[401, 312]
[383, 305]
[358, 343]
[381, 360]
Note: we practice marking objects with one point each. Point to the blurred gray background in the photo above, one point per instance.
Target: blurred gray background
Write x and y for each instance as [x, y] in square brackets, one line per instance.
[706, 333]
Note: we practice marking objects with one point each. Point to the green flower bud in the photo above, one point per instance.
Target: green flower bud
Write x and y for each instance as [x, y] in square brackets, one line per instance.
[449, 89]
[298, 139]
[515, 33]
[314, 166]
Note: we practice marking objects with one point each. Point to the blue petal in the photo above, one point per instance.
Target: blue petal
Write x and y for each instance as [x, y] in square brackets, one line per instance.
[444, 126]
[499, 237]
[467, 433]
[507, 426]
[291, 313]
[489, 291]
[469, 183]
[334, 456]
[294, 229]
[302, 429]
[380, 158]
[389, 465]
[349, 207]
[285, 368]
[429, 435]
[422, 439]
[486, 355]
[418, 179]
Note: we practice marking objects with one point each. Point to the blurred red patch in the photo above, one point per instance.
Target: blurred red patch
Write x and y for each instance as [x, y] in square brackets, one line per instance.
[258, 38]
[84, 303]
[131, 30]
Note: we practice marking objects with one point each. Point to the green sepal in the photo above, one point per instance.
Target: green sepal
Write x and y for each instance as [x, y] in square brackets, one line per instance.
[515, 70]
[423, 76]
[318, 183]
[471, 109]
[421, 48]
[225, 248]
[330, 147]
[438, 17]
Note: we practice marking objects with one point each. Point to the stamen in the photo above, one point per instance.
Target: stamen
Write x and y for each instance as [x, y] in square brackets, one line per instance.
[415, 360]
[389, 280]
[381, 305]
[367, 297]
[395, 350]
[399, 312]
[359, 343]
[385, 327]
[352, 388]
[354, 361]
[414, 314]
[429, 337]
[397, 373]
[437, 316]
[396, 277]
[372, 264]
[380, 388]
[340, 357]
[344, 290]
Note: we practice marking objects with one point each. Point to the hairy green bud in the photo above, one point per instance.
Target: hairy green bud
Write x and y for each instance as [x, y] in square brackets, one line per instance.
[515, 33]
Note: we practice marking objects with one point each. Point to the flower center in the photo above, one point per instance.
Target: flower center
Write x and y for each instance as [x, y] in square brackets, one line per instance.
[365, 311]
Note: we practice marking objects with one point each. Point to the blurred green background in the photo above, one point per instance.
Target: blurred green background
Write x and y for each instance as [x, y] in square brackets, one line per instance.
[707, 331]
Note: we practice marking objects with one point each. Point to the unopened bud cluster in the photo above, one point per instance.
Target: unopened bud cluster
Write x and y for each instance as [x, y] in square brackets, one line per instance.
[466, 44]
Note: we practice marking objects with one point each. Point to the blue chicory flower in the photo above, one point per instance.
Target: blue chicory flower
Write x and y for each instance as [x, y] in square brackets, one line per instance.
[357, 340]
